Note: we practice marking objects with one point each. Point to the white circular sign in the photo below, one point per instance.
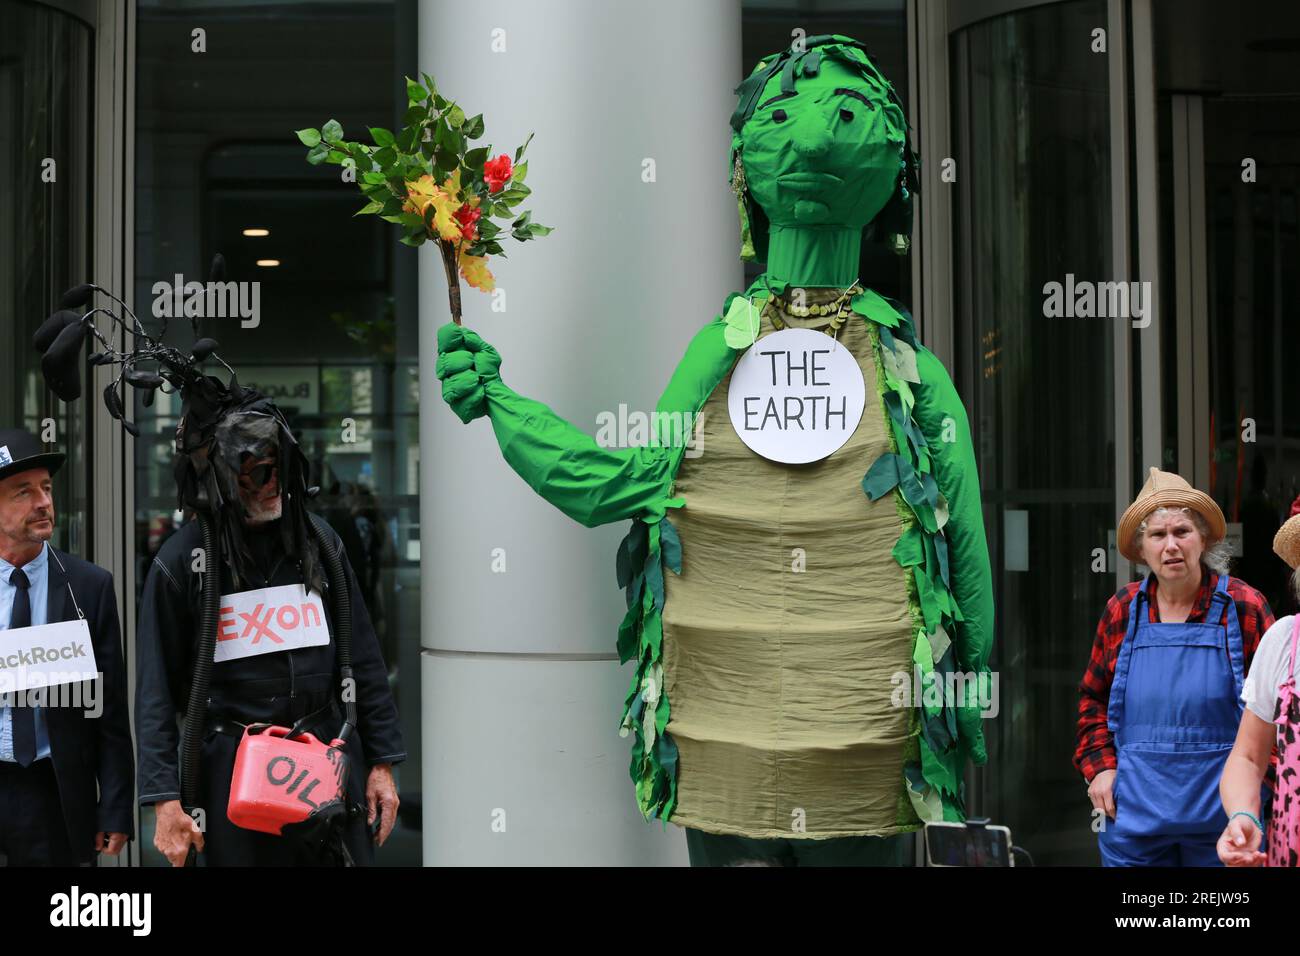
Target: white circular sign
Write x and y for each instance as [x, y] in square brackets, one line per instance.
[796, 396]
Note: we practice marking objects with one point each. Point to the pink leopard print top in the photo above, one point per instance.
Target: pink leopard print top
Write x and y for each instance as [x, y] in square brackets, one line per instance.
[1284, 833]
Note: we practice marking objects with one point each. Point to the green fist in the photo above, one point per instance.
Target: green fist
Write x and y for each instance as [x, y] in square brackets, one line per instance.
[465, 364]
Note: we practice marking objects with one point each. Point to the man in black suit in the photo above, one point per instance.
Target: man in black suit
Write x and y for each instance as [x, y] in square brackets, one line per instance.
[56, 749]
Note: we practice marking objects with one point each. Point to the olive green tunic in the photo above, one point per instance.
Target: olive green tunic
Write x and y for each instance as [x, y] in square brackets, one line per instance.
[783, 631]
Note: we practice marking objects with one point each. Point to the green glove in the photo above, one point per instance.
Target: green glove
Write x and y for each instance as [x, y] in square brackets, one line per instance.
[465, 363]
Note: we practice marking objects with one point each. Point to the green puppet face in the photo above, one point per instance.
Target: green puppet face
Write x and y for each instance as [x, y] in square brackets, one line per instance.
[827, 154]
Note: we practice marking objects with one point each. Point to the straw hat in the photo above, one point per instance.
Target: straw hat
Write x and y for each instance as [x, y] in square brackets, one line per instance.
[1164, 489]
[1286, 543]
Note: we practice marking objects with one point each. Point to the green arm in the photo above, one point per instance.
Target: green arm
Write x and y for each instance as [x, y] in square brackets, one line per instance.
[942, 418]
[589, 483]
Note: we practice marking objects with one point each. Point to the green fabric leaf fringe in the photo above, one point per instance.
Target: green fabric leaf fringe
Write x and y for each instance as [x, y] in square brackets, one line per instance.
[933, 779]
[650, 544]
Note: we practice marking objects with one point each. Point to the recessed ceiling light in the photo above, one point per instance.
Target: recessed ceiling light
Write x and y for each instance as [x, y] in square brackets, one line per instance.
[268, 263]
[257, 233]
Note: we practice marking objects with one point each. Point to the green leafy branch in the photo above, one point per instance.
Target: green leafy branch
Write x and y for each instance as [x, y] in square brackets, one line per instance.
[431, 181]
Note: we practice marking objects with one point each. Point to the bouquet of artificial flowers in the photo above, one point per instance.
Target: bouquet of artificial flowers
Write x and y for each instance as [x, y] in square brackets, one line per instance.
[426, 179]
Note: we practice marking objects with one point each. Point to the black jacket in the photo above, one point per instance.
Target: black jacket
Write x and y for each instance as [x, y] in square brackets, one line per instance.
[273, 687]
[91, 751]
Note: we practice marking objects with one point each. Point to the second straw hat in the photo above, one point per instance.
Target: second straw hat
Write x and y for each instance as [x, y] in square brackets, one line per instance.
[1286, 543]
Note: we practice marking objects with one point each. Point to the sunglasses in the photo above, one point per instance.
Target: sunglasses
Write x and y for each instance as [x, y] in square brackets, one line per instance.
[260, 474]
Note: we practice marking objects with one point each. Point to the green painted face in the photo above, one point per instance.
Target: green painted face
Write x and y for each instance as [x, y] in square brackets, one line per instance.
[828, 154]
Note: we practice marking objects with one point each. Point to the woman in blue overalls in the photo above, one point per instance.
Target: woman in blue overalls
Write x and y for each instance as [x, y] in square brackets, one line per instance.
[1175, 699]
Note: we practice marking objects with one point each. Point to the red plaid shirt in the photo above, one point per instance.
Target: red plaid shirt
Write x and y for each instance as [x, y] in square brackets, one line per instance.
[1095, 751]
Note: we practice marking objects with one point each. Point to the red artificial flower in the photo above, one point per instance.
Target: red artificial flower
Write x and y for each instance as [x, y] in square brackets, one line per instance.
[497, 172]
[468, 217]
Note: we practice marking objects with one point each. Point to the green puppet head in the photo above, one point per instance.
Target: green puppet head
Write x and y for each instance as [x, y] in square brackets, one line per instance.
[820, 142]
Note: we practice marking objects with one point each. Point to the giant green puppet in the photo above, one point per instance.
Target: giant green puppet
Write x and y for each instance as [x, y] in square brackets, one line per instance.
[776, 610]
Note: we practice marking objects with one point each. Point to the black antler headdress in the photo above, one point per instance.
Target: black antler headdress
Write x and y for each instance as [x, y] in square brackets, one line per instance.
[221, 422]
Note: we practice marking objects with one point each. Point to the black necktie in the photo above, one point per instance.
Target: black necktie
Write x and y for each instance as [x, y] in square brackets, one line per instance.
[23, 718]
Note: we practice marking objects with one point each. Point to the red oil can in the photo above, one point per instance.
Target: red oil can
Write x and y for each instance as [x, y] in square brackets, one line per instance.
[280, 779]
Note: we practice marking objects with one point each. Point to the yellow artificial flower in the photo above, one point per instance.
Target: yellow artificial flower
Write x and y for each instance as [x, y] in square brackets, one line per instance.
[419, 193]
[475, 271]
[452, 186]
[424, 192]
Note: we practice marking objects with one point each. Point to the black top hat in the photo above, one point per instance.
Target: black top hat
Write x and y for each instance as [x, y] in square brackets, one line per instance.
[22, 451]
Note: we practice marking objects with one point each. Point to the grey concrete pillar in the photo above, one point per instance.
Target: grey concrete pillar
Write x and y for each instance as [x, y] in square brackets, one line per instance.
[522, 690]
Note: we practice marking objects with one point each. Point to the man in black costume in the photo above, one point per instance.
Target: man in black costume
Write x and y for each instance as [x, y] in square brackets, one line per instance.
[241, 474]
[239, 464]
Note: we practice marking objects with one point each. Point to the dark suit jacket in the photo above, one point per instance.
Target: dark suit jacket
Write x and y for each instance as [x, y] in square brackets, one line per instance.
[92, 750]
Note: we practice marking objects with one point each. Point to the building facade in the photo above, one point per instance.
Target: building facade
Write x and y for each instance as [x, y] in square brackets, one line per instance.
[1103, 255]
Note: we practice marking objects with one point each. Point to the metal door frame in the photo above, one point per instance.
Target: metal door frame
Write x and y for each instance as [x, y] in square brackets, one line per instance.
[112, 449]
[936, 42]
[1191, 287]
[109, 452]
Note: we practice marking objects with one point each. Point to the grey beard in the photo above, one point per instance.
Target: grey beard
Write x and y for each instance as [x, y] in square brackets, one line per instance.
[257, 513]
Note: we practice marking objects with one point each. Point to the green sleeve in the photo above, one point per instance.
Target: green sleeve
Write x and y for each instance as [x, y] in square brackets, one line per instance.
[942, 418]
[706, 363]
[590, 484]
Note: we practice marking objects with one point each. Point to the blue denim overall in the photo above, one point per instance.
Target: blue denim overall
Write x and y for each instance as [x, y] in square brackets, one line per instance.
[1175, 706]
